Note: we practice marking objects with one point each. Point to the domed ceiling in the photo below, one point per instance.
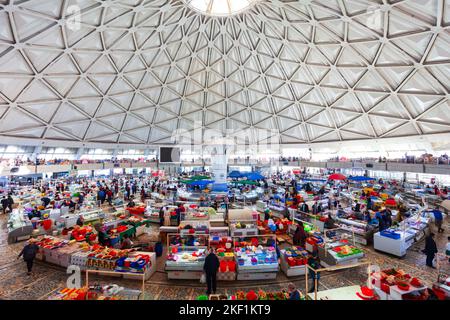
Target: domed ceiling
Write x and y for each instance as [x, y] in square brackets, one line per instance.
[135, 71]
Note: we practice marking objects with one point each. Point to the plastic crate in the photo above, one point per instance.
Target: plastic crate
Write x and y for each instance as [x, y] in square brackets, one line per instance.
[390, 234]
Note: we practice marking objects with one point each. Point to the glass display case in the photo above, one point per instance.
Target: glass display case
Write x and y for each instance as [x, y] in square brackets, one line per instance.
[19, 226]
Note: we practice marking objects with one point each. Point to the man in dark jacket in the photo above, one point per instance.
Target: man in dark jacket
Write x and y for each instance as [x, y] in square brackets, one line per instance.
[430, 250]
[10, 203]
[29, 253]
[314, 262]
[210, 267]
[5, 203]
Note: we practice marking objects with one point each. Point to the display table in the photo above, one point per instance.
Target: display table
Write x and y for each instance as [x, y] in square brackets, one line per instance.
[126, 273]
[292, 271]
[256, 262]
[386, 284]
[278, 211]
[395, 247]
[360, 229]
[329, 257]
[217, 220]
[186, 263]
[344, 293]
[261, 206]
[19, 226]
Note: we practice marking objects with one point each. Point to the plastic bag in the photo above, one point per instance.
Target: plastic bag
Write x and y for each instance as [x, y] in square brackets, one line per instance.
[203, 278]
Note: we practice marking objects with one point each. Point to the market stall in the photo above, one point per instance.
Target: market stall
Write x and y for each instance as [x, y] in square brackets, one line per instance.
[397, 239]
[396, 284]
[188, 227]
[256, 257]
[98, 292]
[225, 253]
[361, 230]
[186, 256]
[19, 226]
[338, 249]
[343, 293]
[293, 260]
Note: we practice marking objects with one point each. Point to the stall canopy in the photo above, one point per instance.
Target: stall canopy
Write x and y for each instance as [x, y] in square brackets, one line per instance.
[245, 182]
[314, 180]
[254, 176]
[361, 178]
[235, 174]
[200, 183]
[199, 177]
[336, 176]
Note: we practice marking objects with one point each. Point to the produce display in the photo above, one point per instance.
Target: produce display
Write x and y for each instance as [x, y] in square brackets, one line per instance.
[242, 225]
[225, 253]
[97, 292]
[51, 243]
[136, 210]
[194, 226]
[186, 255]
[84, 233]
[396, 284]
[249, 256]
[346, 250]
[104, 258]
[19, 226]
[250, 295]
[295, 256]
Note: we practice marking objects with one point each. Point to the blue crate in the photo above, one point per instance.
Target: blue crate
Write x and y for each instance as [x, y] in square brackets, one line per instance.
[390, 234]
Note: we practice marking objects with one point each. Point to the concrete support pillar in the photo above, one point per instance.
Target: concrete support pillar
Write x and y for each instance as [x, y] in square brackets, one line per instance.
[79, 153]
[36, 152]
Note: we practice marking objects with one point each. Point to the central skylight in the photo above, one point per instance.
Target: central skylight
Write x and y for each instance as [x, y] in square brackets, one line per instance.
[220, 7]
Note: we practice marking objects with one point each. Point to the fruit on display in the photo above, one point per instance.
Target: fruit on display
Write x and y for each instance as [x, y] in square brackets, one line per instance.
[240, 295]
[416, 283]
[251, 295]
[51, 243]
[262, 295]
[346, 250]
[403, 286]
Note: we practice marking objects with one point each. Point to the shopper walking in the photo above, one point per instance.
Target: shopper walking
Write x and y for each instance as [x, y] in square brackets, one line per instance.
[5, 203]
[430, 250]
[10, 203]
[29, 254]
[438, 218]
[210, 268]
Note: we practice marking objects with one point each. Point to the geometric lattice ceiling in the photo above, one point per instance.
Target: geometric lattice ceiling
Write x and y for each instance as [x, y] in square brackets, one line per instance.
[133, 71]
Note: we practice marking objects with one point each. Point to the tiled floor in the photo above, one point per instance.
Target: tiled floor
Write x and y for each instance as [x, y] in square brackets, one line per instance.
[46, 279]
